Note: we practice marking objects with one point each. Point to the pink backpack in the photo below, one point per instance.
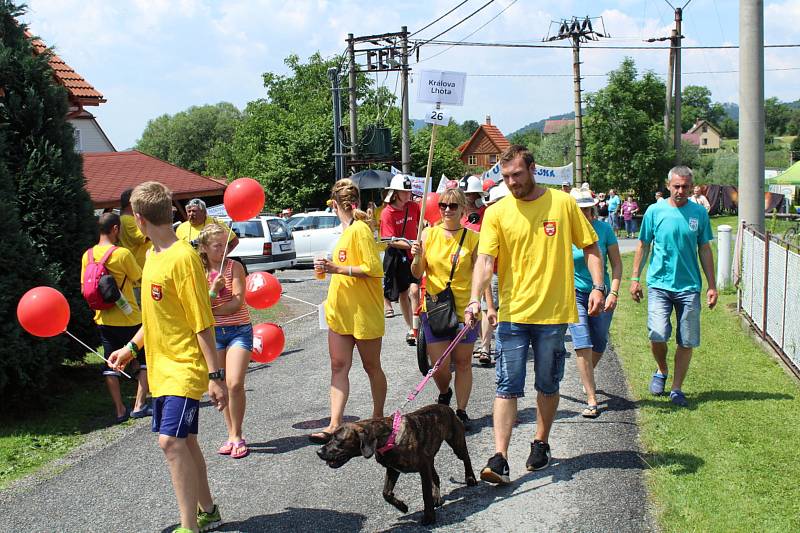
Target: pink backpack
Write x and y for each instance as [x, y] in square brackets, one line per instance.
[94, 284]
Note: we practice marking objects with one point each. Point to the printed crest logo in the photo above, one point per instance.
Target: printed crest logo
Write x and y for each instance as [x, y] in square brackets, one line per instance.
[254, 283]
[693, 224]
[156, 292]
[550, 227]
[342, 256]
[188, 417]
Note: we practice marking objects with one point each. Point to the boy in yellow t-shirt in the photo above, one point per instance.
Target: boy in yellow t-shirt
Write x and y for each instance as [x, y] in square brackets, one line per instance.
[177, 328]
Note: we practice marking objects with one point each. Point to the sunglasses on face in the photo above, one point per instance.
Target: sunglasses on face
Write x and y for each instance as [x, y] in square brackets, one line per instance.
[444, 206]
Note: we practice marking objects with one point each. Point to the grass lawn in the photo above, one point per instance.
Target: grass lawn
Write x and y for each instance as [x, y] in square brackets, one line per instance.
[76, 404]
[731, 461]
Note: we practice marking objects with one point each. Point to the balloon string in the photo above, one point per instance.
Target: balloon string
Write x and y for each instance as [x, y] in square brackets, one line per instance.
[298, 318]
[299, 300]
[227, 245]
[93, 351]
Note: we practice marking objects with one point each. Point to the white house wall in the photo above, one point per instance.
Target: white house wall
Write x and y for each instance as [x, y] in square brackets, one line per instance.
[92, 138]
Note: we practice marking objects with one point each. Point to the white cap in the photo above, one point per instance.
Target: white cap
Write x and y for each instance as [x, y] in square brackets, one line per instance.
[471, 184]
[583, 197]
[497, 192]
[400, 182]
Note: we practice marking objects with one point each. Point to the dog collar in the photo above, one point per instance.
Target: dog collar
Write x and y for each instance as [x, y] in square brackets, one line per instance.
[390, 442]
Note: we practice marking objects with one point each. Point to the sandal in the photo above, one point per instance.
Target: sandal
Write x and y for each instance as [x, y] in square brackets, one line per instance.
[226, 448]
[485, 359]
[591, 411]
[411, 340]
[388, 313]
[320, 438]
[240, 450]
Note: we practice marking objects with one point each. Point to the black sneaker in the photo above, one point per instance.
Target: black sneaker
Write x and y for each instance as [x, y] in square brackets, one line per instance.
[444, 398]
[539, 457]
[496, 470]
[462, 415]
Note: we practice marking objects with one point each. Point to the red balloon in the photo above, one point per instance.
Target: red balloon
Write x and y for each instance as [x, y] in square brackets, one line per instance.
[263, 290]
[268, 342]
[488, 183]
[244, 199]
[432, 214]
[43, 312]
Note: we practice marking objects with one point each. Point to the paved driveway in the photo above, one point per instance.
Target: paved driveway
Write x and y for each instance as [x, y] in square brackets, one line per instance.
[120, 482]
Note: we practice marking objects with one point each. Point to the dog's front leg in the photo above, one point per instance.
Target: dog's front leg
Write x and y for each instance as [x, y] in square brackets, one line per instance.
[426, 473]
[388, 490]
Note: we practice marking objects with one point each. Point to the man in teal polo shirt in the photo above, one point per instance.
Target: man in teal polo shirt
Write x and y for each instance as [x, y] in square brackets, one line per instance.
[679, 231]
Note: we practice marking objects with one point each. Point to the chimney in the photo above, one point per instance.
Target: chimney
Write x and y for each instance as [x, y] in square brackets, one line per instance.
[488, 120]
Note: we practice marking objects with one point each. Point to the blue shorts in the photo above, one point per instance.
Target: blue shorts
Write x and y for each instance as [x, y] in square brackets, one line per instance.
[590, 331]
[175, 416]
[660, 304]
[230, 336]
[513, 340]
[470, 337]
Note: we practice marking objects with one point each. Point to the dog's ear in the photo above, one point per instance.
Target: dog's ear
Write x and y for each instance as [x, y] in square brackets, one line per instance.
[368, 443]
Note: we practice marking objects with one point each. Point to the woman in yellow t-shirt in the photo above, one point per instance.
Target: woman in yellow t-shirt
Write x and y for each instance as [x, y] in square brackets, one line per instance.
[354, 306]
[442, 246]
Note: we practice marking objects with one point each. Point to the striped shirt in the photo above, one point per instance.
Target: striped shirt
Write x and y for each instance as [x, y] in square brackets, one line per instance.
[238, 318]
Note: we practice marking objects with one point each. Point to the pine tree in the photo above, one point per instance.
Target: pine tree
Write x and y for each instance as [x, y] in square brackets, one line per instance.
[47, 214]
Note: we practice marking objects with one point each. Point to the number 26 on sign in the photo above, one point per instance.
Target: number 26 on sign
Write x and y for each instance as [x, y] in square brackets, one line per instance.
[437, 116]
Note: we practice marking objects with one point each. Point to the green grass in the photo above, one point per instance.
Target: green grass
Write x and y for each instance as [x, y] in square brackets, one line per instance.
[731, 461]
[75, 404]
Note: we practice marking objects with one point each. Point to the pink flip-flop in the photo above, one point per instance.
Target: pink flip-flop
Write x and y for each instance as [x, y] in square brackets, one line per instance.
[240, 450]
[226, 448]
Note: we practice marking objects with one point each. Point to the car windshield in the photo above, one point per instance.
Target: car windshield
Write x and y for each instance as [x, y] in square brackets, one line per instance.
[278, 230]
[329, 222]
[299, 221]
[250, 228]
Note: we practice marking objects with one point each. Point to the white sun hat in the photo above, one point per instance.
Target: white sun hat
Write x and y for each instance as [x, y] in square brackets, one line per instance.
[497, 192]
[471, 184]
[400, 182]
[583, 197]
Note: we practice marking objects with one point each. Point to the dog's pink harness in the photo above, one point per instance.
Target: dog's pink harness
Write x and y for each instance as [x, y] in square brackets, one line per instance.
[398, 418]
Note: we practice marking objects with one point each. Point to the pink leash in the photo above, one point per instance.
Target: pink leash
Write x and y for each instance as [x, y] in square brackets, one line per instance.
[398, 418]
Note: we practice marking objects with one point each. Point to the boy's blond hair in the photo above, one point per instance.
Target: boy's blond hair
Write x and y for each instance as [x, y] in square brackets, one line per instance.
[153, 202]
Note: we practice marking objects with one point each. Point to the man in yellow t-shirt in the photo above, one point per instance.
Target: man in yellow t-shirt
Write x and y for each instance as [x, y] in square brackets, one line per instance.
[531, 234]
[131, 238]
[199, 219]
[116, 326]
[178, 330]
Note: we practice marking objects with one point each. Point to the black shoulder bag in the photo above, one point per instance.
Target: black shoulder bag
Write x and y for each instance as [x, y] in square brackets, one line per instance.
[441, 308]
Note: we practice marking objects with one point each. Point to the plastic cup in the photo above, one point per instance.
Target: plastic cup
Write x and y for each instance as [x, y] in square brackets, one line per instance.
[318, 272]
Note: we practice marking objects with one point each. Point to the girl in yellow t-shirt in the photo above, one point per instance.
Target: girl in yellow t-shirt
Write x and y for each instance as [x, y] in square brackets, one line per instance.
[354, 308]
[434, 257]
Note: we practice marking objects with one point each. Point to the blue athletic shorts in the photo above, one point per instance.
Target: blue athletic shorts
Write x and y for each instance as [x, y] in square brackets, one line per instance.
[590, 331]
[230, 336]
[513, 340]
[660, 304]
[469, 338]
[175, 416]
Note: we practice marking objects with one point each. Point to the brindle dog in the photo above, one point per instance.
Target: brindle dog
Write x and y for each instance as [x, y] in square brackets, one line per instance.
[418, 440]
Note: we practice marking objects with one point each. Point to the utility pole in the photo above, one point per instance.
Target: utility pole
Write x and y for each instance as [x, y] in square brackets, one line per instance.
[578, 32]
[751, 112]
[351, 52]
[678, 88]
[333, 74]
[405, 156]
[668, 101]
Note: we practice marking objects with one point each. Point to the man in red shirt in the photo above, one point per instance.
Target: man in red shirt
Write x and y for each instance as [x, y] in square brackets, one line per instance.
[400, 218]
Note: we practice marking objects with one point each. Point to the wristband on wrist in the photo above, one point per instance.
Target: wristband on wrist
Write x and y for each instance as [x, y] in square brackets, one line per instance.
[635, 279]
[350, 271]
[212, 294]
[133, 348]
[615, 293]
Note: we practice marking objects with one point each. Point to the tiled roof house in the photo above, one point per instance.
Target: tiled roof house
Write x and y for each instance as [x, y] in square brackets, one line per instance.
[483, 149]
[554, 126]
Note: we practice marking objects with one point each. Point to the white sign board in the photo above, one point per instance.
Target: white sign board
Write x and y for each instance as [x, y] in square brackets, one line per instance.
[441, 87]
[437, 116]
[418, 184]
[548, 175]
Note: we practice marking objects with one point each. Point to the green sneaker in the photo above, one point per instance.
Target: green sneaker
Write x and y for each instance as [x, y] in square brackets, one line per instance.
[182, 530]
[208, 521]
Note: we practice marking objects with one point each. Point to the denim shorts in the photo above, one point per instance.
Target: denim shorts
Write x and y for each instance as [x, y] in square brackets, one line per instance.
[230, 336]
[469, 338]
[590, 331]
[513, 340]
[660, 304]
[175, 416]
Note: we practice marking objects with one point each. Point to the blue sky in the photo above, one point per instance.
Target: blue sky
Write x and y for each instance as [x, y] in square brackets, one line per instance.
[150, 57]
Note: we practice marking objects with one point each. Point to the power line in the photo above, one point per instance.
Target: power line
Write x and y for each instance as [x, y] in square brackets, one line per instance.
[592, 47]
[457, 23]
[472, 33]
[604, 75]
[438, 19]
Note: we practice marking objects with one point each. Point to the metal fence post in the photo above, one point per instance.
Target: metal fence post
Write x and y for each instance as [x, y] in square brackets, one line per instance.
[766, 280]
[723, 256]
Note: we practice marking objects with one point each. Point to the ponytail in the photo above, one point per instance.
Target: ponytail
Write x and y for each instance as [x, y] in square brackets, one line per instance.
[347, 197]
